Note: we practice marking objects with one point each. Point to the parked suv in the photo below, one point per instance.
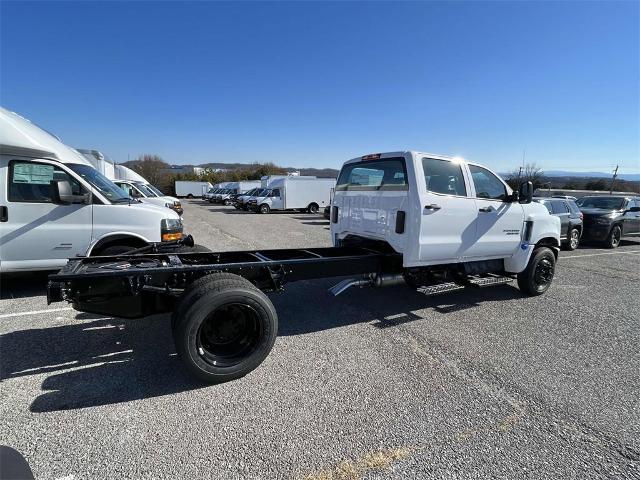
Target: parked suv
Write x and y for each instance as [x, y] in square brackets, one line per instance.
[609, 218]
[570, 219]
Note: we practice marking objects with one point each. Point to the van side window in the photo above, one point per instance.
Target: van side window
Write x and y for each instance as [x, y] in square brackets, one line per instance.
[443, 176]
[384, 174]
[275, 192]
[487, 184]
[31, 181]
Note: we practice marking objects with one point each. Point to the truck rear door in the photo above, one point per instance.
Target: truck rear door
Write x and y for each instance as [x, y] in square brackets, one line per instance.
[448, 214]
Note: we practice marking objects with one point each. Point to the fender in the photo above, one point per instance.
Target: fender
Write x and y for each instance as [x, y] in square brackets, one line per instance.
[539, 229]
[117, 236]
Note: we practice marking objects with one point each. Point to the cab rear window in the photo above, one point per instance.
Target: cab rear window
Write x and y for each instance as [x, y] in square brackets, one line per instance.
[383, 174]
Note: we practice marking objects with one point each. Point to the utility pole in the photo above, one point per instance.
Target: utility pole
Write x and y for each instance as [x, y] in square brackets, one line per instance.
[613, 180]
[519, 173]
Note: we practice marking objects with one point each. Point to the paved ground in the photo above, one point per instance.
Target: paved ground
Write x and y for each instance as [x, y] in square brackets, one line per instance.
[372, 384]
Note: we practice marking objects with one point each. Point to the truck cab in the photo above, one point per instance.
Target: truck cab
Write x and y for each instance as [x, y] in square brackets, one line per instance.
[54, 205]
[438, 210]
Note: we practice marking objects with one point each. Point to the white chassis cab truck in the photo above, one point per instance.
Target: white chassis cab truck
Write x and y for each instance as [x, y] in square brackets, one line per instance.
[433, 223]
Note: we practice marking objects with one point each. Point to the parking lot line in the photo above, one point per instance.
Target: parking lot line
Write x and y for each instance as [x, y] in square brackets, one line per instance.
[34, 312]
[632, 252]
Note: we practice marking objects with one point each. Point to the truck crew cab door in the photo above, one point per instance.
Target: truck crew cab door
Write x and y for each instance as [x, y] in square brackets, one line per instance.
[36, 234]
[500, 222]
[448, 213]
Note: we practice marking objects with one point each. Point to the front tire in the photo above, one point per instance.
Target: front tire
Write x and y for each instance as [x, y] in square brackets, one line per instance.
[613, 240]
[116, 250]
[224, 327]
[537, 277]
[264, 208]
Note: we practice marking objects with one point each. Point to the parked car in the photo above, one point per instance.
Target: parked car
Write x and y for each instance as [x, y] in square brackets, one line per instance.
[570, 219]
[608, 219]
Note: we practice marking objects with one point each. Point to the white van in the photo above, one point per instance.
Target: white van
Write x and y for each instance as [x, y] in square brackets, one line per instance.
[54, 205]
[147, 193]
[294, 193]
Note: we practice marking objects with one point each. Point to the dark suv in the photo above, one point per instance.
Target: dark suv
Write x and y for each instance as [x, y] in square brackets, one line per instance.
[570, 219]
[609, 218]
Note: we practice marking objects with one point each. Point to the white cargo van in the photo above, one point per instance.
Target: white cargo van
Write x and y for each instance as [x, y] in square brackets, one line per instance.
[232, 190]
[146, 193]
[54, 205]
[294, 193]
[191, 189]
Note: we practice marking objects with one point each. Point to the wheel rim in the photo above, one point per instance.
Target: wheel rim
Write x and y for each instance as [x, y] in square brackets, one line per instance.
[228, 335]
[615, 236]
[543, 273]
[574, 239]
[313, 209]
[264, 209]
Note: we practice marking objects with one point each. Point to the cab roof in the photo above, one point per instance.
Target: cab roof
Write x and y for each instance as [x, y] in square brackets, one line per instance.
[19, 136]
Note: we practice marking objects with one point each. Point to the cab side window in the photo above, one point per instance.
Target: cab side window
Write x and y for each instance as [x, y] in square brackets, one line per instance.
[30, 182]
[275, 192]
[487, 184]
[443, 176]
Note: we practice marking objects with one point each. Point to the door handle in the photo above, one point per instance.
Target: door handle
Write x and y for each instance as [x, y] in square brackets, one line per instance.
[488, 209]
[4, 214]
[433, 206]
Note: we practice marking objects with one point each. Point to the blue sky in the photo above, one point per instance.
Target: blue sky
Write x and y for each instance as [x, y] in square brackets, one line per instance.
[313, 84]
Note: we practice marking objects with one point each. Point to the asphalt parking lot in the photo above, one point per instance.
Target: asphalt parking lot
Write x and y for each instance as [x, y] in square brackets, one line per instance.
[371, 384]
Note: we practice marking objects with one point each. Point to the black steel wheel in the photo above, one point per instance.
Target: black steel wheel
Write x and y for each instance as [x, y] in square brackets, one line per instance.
[537, 277]
[615, 235]
[223, 327]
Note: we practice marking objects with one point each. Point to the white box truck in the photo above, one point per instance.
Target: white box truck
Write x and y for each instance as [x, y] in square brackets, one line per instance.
[294, 193]
[191, 189]
[55, 205]
[232, 190]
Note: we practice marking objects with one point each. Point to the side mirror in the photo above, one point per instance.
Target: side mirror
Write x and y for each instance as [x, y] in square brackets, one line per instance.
[525, 192]
[62, 194]
[634, 209]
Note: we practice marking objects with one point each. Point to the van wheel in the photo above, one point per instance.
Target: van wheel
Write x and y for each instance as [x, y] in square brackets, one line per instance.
[537, 277]
[573, 241]
[313, 208]
[189, 196]
[613, 240]
[264, 208]
[227, 202]
[224, 328]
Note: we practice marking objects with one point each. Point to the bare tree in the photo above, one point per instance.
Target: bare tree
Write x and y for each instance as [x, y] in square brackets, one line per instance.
[529, 173]
[150, 167]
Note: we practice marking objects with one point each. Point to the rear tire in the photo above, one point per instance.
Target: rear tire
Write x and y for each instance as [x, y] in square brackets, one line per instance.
[537, 277]
[613, 240]
[313, 208]
[573, 241]
[224, 327]
[264, 208]
[189, 196]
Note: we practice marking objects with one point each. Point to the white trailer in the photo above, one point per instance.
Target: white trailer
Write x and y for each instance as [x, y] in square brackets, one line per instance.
[294, 193]
[191, 189]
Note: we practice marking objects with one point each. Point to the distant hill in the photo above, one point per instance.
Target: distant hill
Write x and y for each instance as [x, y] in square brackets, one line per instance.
[564, 173]
[318, 172]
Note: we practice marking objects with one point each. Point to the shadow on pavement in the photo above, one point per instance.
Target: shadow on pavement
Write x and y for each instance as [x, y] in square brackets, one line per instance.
[100, 361]
[113, 361]
[384, 308]
[23, 285]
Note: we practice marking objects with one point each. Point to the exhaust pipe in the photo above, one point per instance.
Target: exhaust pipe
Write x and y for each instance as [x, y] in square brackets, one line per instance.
[371, 280]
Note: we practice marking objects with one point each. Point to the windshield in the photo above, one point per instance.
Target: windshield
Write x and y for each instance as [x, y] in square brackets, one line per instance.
[263, 192]
[106, 187]
[146, 190]
[155, 190]
[605, 203]
[251, 192]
